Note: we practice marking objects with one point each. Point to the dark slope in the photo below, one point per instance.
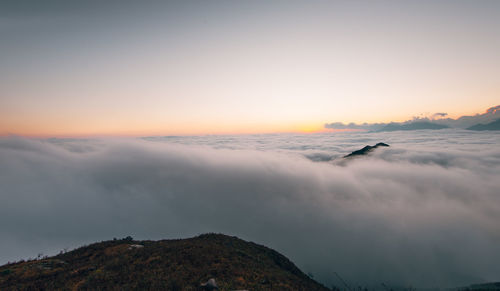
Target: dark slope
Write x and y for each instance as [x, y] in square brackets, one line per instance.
[365, 150]
[494, 286]
[160, 265]
[418, 125]
[495, 125]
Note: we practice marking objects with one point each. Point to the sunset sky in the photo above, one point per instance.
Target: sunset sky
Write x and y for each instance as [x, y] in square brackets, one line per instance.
[73, 68]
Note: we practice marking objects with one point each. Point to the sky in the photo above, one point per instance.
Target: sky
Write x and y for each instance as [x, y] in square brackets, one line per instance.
[78, 68]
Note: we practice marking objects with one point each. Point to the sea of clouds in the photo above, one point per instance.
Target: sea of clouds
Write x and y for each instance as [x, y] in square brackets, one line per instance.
[423, 212]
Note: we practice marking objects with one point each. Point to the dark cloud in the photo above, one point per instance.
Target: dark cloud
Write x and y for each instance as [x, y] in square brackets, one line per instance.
[439, 115]
[424, 212]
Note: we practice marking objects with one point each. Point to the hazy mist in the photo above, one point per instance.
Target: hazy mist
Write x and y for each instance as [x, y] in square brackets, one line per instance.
[410, 214]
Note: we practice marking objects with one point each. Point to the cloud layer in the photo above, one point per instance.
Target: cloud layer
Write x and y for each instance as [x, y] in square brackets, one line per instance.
[432, 122]
[421, 213]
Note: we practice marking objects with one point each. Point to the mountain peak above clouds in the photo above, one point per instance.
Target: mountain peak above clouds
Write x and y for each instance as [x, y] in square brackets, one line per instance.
[436, 121]
[495, 125]
[365, 150]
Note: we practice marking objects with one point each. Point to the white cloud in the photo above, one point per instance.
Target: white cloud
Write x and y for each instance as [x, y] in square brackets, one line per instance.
[423, 212]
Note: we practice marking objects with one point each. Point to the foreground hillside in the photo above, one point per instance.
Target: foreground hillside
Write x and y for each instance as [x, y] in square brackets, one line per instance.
[161, 265]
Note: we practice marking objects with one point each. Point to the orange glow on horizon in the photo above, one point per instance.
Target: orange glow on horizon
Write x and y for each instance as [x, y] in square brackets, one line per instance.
[78, 131]
[121, 126]
[311, 128]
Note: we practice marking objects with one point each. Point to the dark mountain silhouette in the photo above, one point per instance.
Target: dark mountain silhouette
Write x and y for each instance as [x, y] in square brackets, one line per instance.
[495, 125]
[365, 150]
[183, 264]
[436, 121]
[416, 125]
[491, 114]
[479, 287]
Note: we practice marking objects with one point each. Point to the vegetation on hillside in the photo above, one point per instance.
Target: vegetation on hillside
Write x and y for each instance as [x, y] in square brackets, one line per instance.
[160, 265]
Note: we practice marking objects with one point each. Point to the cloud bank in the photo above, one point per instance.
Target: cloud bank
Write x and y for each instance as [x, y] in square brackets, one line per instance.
[435, 121]
[406, 215]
